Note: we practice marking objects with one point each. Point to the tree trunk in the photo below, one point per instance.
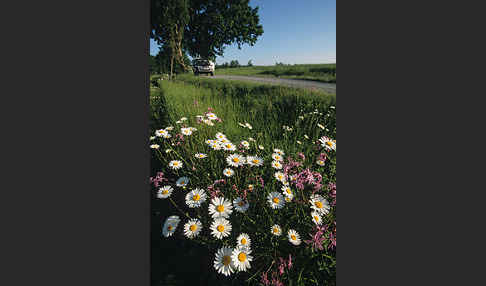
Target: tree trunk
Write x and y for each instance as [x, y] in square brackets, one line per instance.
[171, 65]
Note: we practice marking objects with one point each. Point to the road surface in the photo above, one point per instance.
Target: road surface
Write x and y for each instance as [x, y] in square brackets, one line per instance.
[327, 87]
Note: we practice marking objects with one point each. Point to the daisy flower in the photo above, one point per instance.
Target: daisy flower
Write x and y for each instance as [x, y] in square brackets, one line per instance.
[275, 200]
[175, 164]
[152, 138]
[216, 146]
[195, 198]
[277, 165]
[186, 131]
[228, 146]
[211, 141]
[235, 160]
[243, 240]
[183, 119]
[248, 125]
[241, 258]
[228, 172]
[161, 133]
[182, 181]
[319, 204]
[288, 199]
[316, 218]
[240, 205]
[320, 162]
[305, 136]
[224, 140]
[320, 126]
[251, 139]
[164, 192]
[276, 230]
[220, 135]
[170, 225]
[251, 187]
[192, 228]
[261, 147]
[287, 191]
[280, 177]
[245, 144]
[200, 155]
[294, 237]
[241, 124]
[169, 128]
[254, 161]
[328, 143]
[167, 151]
[155, 146]
[277, 157]
[223, 262]
[208, 122]
[220, 228]
[278, 151]
[211, 116]
[220, 208]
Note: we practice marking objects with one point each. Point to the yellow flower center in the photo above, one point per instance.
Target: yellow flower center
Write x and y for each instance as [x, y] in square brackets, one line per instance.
[280, 177]
[275, 230]
[288, 191]
[176, 163]
[243, 241]
[277, 157]
[250, 187]
[220, 208]
[255, 161]
[193, 227]
[241, 203]
[226, 260]
[165, 192]
[316, 218]
[228, 146]
[196, 197]
[220, 228]
[236, 160]
[318, 204]
[329, 143]
[275, 200]
[169, 227]
[293, 237]
[241, 257]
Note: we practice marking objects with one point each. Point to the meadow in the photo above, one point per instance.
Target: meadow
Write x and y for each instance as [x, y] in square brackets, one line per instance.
[316, 72]
[260, 120]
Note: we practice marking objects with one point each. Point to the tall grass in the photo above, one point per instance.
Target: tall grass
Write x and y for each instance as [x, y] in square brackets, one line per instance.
[267, 109]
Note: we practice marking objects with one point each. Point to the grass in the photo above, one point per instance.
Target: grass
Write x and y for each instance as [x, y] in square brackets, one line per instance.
[316, 72]
[267, 108]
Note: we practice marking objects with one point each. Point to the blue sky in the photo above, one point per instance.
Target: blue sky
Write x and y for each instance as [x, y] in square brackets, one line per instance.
[294, 32]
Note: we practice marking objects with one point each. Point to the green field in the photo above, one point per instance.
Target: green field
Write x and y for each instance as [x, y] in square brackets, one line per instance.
[267, 109]
[316, 72]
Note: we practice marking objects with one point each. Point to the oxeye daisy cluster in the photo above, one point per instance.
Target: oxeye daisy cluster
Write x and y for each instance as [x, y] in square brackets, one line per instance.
[252, 204]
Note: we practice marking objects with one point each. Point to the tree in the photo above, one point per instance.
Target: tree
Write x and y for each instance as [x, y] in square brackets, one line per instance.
[234, 64]
[208, 25]
[250, 64]
[168, 20]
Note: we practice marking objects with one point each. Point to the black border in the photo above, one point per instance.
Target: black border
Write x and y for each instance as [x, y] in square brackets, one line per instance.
[77, 162]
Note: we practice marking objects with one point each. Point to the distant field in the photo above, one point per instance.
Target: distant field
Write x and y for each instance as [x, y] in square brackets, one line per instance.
[316, 72]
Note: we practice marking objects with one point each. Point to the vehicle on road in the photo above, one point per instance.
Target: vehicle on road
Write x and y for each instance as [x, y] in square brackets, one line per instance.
[203, 66]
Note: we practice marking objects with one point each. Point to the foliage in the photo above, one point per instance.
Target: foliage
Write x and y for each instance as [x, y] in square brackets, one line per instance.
[168, 20]
[268, 109]
[162, 61]
[207, 25]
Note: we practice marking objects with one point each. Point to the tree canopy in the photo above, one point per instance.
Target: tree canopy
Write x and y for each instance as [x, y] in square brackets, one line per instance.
[203, 27]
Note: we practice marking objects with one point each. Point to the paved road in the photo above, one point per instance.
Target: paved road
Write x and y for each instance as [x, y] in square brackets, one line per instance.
[327, 87]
